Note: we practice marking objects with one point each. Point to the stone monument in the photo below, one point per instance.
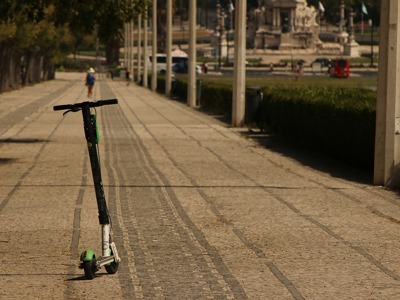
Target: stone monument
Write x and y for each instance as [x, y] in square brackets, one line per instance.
[342, 36]
[283, 25]
[218, 37]
[351, 47]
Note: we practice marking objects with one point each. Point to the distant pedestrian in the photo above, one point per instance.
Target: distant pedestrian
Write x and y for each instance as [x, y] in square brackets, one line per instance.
[127, 77]
[90, 80]
[204, 68]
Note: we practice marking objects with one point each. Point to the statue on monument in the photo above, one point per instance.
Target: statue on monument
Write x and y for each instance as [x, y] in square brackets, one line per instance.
[260, 18]
[272, 20]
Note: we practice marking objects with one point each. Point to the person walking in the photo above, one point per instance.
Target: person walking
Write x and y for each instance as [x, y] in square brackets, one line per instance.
[204, 68]
[127, 76]
[90, 80]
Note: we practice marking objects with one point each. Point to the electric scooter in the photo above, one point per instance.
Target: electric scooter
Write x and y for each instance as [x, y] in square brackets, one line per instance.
[90, 263]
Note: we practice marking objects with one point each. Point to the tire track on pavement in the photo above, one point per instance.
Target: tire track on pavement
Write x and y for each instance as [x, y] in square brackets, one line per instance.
[257, 251]
[183, 245]
[269, 191]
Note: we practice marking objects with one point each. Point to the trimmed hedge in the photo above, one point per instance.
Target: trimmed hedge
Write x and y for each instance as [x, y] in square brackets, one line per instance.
[217, 98]
[336, 121]
[339, 122]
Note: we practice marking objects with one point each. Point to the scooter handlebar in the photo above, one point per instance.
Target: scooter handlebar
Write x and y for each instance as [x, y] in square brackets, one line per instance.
[107, 102]
[63, 107]
[77, 106]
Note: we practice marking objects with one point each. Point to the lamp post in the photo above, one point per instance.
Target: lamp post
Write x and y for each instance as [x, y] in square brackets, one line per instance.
[220, 48]
[372, 41]
[239, 71]
[227, 45]
[139, 49]
[230, 27]
[154, 48]
[220, 31]
[145, 47]
[342, 21]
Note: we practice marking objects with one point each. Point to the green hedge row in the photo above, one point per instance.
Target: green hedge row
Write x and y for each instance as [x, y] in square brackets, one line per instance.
[339, 122]
[336, 121]
[217, 98]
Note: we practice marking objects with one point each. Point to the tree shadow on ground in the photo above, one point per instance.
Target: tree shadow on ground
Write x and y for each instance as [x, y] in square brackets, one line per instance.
[5, 160]
[23, 141]
[304, 156]
[309, 158]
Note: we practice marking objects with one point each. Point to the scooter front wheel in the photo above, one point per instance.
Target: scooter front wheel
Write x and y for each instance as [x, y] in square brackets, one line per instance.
[112, 268]
[90, 268]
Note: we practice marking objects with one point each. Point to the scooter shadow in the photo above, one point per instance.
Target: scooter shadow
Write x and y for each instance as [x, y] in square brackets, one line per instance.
[83, 278]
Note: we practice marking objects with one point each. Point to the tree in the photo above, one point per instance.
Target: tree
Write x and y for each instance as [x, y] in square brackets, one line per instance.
[28, 41]
[36, 34]
[104, 17]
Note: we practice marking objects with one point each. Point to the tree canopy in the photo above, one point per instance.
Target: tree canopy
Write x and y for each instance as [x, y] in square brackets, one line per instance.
[106, 17]
[36, 34]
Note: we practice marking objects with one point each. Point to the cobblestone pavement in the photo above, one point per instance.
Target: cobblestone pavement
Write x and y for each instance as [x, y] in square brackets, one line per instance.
[199, 210]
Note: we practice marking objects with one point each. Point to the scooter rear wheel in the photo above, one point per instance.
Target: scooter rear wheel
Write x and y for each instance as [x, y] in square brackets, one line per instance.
[90, 268]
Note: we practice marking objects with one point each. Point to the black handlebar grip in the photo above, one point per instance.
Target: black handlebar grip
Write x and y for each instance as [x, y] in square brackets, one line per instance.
[62, 107]
[108, 102]
[78, 106]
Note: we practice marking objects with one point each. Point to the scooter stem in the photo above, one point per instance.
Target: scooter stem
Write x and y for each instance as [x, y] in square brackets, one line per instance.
[90, 134]
[105, 238]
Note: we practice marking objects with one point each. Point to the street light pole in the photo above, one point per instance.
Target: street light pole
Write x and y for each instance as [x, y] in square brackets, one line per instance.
[192, 54]
[227, 35]
[219, 49]
[145, 48]
[139, 50]
[154, 48]
[387, 128]
[168, 79]
[219, 30]
[239, 71]
[372, 42]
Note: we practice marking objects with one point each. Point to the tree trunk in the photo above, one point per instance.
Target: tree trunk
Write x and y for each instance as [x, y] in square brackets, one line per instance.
[14, 75]
[48, 69]
[161, 27]
[34, 66]
[30, 56]
[112, 51]
[10, 67]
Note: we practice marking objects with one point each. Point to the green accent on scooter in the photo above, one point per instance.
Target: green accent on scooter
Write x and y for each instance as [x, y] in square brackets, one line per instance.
[87, 255]
[94, 122]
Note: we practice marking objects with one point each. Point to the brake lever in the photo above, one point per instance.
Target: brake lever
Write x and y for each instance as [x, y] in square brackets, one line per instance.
[72, 110]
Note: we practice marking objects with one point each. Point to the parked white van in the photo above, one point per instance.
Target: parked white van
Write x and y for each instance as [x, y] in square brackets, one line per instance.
[179, 63]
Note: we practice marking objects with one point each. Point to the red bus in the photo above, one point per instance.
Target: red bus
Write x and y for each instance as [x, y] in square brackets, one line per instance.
[340, 68]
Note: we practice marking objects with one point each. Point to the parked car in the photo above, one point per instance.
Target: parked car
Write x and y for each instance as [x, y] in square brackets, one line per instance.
[183, 68]
[340, 68]
[324, 62]
[179, 64]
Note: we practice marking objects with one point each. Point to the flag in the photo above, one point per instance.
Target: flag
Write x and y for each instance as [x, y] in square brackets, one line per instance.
[321, 7]
[364, 9]
[231, 7]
